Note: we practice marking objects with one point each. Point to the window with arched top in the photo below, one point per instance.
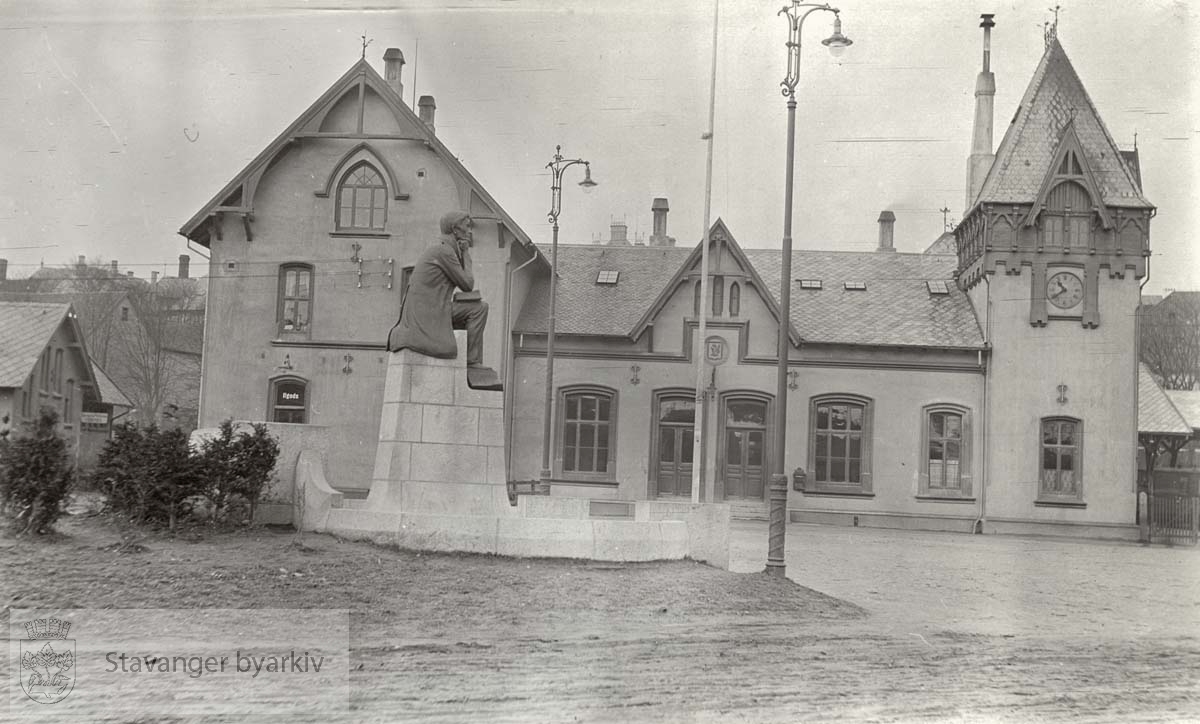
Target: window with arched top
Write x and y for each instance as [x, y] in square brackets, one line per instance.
[295, 299]
[946, 452]
[362, 199]
[1060, 478]
[718, 295]
[696, 301]
[839, 440]
[289, 400]
[735, 299]
[1067, 220]
[587, 421]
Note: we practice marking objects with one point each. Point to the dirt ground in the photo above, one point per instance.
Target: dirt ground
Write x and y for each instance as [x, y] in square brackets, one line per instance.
[449, 638]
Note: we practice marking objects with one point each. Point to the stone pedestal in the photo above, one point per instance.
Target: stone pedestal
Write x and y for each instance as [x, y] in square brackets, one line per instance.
[441, 444]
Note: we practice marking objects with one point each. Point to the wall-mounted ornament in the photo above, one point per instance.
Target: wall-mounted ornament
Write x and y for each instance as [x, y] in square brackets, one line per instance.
[633, 374]
[1062, 394]
[348, 359]
[793, 379]
[286, 365]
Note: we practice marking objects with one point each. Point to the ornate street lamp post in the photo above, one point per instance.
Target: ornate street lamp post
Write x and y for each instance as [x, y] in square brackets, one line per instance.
[796, 13]
[557, 166]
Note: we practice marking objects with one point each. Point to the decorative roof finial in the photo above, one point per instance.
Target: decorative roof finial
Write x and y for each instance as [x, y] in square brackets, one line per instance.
[1050, 29]
[365, 43]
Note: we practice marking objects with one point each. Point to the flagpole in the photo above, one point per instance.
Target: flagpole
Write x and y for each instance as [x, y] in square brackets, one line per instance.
[698, 424]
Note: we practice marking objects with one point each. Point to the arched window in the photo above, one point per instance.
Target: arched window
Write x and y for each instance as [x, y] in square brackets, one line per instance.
[696, 301]
[1061, 474]
[735, 299]
[295, 299]
[362, 199]
[587, 433]
[840, 444]
[1067, 220]
[946, 451]
[289, 400]
[718, 295]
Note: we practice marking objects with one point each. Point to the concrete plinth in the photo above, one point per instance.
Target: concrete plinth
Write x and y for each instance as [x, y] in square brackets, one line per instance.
[440, 485]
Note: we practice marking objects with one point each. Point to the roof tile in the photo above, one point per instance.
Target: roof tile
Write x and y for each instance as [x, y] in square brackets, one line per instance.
[25, 328]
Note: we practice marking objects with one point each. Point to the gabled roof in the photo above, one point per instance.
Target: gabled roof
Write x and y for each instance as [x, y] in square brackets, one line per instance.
[1157, 415]
[895, 308]
[585, 307]
[1188, 404]
[107, 390]
[944, 244]
[1054, 100]
[25, 329]
[196, 227]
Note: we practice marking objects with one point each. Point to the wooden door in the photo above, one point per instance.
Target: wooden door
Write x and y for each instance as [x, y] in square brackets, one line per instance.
[673, 466]
[744, 459]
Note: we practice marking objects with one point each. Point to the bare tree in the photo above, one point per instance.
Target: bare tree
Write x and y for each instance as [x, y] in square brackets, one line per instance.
[1170, 340]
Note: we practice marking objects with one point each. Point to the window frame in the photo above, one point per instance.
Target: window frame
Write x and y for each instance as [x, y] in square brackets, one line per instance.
[610, 474]
[1050, 497]
[865, 484]
[339, 223]
[282, 298]
[735, 299]
[965, 489]
[272, 390]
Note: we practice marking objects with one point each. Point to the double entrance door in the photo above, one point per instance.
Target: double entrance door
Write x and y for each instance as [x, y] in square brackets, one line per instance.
[744, 453]
[741, 457]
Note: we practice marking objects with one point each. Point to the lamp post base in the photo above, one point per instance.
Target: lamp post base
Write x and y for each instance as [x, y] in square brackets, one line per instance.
[777, 515]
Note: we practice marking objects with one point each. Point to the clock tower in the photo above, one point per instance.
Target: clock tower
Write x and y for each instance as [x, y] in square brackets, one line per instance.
[1051, 251]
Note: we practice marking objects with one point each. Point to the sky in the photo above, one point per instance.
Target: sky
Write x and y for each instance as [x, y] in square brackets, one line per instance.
[119, 119]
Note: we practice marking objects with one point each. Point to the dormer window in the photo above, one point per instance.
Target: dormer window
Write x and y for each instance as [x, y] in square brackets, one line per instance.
[362, 199]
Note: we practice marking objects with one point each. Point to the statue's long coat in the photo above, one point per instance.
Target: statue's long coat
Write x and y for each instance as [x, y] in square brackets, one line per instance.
[425, 324]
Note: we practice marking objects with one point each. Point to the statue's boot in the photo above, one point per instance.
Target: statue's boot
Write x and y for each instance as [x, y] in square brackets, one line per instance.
[483, 378]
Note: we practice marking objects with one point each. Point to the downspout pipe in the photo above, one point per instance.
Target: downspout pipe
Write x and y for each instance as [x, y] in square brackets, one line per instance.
[981, 520]
[510, 362]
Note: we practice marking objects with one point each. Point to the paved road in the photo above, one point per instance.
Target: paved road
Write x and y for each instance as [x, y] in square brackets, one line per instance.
[990, 584]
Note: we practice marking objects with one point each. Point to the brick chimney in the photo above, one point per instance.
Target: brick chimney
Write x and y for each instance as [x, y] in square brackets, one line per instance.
[887, 230]
[658, 237]
[113, 267]
[82, 262]
[425, 107]
[3, 269]
[184, 260]
[154, 277]
[619, 234]
[393, 63]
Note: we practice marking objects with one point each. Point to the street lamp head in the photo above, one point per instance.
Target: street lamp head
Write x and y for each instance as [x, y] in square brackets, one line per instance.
[587, 184]
[837, 42]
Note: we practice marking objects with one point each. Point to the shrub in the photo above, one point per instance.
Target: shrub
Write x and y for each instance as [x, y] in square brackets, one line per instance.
[153, 475]
[35, 475]
[238, 466]
[148, 474]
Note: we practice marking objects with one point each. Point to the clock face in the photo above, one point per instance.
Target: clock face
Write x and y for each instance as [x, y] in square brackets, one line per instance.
[1064, 290]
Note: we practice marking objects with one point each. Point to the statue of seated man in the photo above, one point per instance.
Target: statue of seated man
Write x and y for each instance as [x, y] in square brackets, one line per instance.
[430, 310]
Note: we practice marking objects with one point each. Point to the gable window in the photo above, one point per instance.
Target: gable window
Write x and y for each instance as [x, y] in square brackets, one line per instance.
[696, 301]
[56, 373]
[1067, 220]
[587, 427]
[946, 452]
[1060, 478]
[735, 300]
[68, 411]
[289, 400]
[295, 298]
[718, 294]
[839, 444]
[124, 314]
[44, 371]
[362, 199]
